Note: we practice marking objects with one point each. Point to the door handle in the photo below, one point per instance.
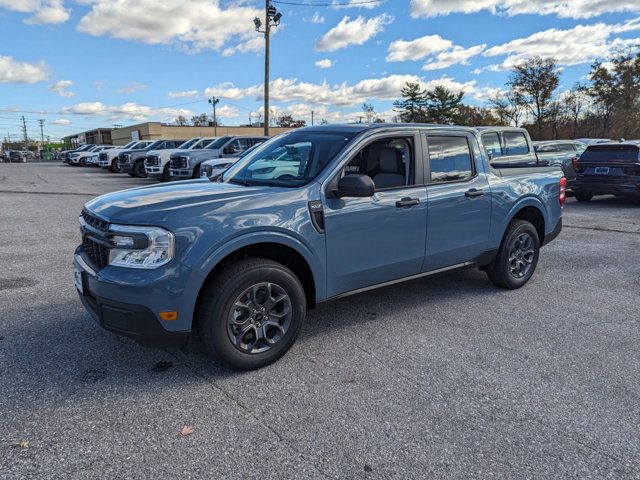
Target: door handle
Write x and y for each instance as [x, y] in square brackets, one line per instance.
[473, 192]
[407, 202]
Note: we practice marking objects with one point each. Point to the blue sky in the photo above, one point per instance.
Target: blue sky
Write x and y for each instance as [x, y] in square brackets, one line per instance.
[86, 63]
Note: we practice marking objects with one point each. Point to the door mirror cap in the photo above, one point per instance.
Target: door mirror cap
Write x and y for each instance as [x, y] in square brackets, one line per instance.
[356, 185]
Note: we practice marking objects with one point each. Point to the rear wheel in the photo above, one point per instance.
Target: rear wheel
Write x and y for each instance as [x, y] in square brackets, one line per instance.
[138, 169]
[251, 313]
[583, 197]
[518, 256]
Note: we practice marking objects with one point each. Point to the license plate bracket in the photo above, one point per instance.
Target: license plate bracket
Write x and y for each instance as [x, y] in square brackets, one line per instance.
[78, 279]
[602, 170]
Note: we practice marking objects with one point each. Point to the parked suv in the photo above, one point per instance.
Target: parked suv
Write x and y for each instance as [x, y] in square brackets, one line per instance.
[65, 155]
[109, 159]
[608, 168]
[187, 164]
[132, 161]
[158, 162]
[363, 206]
[564, 153]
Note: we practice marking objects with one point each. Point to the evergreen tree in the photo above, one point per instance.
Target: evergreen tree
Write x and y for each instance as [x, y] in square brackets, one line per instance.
[411, 107]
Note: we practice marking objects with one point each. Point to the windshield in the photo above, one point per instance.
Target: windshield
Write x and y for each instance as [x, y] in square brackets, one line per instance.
[130, 144]
[151, 146]
[188, 143]
[218, 143]
[289, 160]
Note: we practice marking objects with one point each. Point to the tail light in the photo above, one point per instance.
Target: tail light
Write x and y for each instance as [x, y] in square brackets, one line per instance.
[563, 191]
[574, 162]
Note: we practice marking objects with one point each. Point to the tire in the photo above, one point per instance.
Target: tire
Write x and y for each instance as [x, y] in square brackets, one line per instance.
[196, 172]
[83, 162]
[166, 175]
[520, 241]
[138, 169]
[114, 166]
[583, 197]
[234, 285]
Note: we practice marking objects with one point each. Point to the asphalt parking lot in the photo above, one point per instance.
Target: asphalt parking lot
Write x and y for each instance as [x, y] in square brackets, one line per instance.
[443, 377]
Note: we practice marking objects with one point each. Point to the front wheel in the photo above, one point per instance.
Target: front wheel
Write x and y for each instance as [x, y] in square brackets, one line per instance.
[518, 256]
[114, 166]
[138, 169]
[166, 174]
[251, 313]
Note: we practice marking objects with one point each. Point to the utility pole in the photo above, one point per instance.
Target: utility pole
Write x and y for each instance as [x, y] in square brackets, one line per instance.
[312, 118]
[41, 123]
[24, 132]
[214, 101]
[272, 19]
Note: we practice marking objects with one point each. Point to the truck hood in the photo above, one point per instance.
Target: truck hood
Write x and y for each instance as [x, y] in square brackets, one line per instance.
[164, 203]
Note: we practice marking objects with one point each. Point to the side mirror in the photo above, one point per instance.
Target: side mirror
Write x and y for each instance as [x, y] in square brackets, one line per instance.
[356, 185]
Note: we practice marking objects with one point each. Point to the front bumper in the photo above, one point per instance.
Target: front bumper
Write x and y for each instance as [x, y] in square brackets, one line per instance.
[181, 173]
[154, 171]
[125, 167]
[130, 307]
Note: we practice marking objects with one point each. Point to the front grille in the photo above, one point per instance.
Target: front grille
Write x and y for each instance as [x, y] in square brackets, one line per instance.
[180, 162]
[103, 157]
[94, 221]
[124, 158]
[153, 160]
[99, 254]
[208, 170]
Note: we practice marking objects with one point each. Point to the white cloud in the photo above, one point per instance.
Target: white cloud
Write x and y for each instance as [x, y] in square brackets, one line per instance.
[403, 50]
[324, 63]
[131, 110]
[61, 87]
[183, 94]
[131, 88]
[561, 8]
[227, 111]
[316, 18]
[456, 56]
[41, 11]
[61, 121]
[352, 32]
[340, 95]
[580, 44]
[12, 71]
[255, 44]
[190, 24]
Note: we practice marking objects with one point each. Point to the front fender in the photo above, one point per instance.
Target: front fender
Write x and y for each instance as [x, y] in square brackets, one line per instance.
[217, 253]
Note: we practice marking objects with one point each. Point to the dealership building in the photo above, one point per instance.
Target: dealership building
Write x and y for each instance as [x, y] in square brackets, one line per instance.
[157, 130]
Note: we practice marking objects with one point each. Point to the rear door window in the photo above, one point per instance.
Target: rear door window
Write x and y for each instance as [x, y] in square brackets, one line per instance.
[492, 144]
[515, 143]
[450, 159]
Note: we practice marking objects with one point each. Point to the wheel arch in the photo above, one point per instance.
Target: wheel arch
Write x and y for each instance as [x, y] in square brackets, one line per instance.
[279, 248]
[533, 212]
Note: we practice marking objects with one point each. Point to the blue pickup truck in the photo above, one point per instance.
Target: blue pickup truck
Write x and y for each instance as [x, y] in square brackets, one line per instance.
[310, 215]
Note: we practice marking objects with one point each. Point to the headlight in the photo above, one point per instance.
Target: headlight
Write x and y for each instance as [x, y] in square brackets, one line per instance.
[140, 247]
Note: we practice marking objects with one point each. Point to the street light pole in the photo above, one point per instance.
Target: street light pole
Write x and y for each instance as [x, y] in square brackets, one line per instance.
[214, 101]
[272, 19]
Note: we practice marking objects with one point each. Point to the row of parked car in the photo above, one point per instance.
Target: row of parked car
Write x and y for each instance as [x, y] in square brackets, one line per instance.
[166, 159]
[591, 166]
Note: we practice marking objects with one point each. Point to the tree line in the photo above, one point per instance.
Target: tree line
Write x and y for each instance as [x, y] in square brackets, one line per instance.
[606, 105]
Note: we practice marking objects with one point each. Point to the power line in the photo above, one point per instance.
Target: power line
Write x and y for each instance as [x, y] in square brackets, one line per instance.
[347, 4]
